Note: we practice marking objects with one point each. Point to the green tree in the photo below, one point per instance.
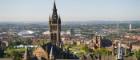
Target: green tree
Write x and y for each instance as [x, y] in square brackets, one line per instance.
[102, 51]
[16, 55]
[137, 54]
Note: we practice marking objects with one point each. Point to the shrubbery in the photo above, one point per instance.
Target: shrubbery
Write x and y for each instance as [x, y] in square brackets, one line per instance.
[137, 54]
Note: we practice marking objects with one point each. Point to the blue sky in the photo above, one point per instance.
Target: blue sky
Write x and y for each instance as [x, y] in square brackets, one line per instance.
[79, 10]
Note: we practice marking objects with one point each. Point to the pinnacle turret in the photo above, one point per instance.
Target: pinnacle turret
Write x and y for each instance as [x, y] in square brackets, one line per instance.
[51, 54]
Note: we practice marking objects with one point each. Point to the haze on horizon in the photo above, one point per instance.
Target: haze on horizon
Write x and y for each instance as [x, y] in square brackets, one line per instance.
[79, 10]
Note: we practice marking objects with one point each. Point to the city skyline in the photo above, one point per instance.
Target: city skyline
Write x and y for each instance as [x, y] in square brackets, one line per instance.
[93, 33]
[39, 10]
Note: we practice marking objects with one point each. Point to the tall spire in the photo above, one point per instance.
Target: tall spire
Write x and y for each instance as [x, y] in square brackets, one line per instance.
[54, 15]
[54, 6]
[55, 26]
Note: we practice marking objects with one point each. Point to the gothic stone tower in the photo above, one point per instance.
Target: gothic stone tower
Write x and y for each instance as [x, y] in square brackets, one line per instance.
[55, 27]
